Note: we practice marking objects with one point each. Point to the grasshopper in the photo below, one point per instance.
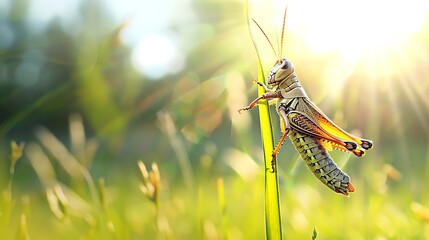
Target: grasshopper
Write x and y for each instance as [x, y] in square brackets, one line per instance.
[312, 133]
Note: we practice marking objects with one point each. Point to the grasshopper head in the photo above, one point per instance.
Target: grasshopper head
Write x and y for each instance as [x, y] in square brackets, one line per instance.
[281, 70]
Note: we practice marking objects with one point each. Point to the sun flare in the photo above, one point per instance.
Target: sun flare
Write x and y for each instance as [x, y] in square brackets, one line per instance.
[355, 29]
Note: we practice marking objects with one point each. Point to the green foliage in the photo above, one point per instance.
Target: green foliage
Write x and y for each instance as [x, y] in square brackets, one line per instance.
[314, 234]
[151, 206]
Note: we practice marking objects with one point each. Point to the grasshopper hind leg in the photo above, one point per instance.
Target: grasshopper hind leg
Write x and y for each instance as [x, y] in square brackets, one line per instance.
[282, 139]
[277, 149]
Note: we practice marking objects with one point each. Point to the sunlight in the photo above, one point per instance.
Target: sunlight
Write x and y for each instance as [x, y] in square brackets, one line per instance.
[379, 38]
[157, 55]
[354, 29]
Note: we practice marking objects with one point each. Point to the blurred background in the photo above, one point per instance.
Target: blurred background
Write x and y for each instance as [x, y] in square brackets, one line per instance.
[90, 88]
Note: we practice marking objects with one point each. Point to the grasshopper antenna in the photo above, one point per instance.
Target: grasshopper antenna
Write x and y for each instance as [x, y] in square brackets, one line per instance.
[272, 47]
[283, 32]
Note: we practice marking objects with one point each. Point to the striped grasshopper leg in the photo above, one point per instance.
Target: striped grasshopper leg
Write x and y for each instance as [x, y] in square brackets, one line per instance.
[320, 163]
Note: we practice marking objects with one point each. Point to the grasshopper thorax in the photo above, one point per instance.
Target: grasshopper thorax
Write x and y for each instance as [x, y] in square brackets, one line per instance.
[281, 71]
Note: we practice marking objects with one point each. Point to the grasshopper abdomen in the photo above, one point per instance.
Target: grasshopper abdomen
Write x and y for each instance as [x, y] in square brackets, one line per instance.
[320, 163]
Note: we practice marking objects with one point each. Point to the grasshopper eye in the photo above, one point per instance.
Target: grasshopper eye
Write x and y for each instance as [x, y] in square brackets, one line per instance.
[285, 64]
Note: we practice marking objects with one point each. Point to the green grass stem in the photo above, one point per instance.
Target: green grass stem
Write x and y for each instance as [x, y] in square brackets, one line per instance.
[273, 223]
[272, 207]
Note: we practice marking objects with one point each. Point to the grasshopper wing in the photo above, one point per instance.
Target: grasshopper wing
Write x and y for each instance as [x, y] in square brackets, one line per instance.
[302, 123]
[329, 126]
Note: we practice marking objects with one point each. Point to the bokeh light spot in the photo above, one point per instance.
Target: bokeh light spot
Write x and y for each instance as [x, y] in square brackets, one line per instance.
[157, 55]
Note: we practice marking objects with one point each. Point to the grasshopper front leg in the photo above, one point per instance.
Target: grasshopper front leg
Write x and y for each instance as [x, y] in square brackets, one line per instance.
[267, 95]
[263, 85]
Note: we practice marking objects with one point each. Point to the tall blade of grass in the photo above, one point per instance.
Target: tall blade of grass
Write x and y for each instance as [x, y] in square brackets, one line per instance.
[273, 226]
[272, 207]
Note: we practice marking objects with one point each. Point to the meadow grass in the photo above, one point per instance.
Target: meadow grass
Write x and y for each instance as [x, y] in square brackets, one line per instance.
[149, 204]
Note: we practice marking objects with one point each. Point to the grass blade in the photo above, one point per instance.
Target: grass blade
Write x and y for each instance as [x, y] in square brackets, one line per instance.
[272, 207]
[273, 225]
